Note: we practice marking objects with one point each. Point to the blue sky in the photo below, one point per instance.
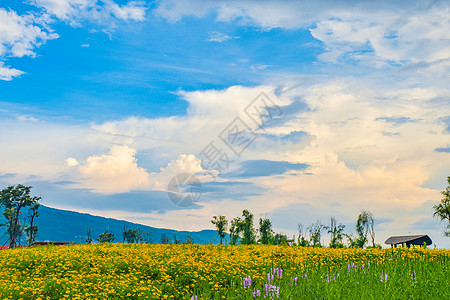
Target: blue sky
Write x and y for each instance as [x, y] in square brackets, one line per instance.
[103, 102]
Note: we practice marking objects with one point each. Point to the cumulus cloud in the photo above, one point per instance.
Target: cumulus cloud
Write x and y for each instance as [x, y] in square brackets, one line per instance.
[118, 171]
[115, 172]
[71, 162]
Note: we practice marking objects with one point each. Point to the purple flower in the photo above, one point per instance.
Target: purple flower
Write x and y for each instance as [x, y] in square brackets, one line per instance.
[305, 275]
[256, 293]
[384, 277]
[295, 280]
[269, 277]
[194, 297]
[413, 277]
[272, 291]
[276, 271]
[246, 282]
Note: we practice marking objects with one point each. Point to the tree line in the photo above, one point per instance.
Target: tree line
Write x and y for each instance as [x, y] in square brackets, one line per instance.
[242, 231]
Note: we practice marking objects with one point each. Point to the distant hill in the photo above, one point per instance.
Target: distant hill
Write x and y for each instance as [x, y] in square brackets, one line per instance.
[57, 225]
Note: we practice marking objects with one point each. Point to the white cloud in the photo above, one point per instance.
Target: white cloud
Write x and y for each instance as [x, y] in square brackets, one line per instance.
[102, 12]
[115, 172]
[27, 119]
[132, 11]
[7, 73]
[72, 162]
[20, 34]
[375, 34]
[118, 172]
[258, 67]
[395, 37]
[220, 37]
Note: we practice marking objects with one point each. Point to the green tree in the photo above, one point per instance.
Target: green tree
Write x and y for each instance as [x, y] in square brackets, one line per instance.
[280, 239]
[315, 234]
[32, 230]
[364, 229]
[176, 241]
[248, 231]
[14, 199]
[188, 240]
[336, 233]
[221, 224]
[235, 230]
[88, 236]
[302, 241]
[265, 231]
[164, 239]
[442, 210]
[106, 237]
[124, 230]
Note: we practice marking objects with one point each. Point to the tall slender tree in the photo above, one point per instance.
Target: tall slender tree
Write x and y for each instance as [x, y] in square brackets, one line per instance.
[32, 229]
[248, 231]
[221, 224]
[302, 241]
[88, 236]
[336, 233]
[315, 234]
[265, 231]
[364, 229]
[235, 230]
[14, 199]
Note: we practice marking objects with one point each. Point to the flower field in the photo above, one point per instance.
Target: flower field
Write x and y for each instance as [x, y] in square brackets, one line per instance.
[138, 271]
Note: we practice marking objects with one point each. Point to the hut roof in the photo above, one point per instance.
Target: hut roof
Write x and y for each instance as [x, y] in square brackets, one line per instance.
[409, 239]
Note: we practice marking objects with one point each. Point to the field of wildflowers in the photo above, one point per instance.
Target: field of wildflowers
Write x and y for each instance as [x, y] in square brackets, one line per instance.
[138, 271]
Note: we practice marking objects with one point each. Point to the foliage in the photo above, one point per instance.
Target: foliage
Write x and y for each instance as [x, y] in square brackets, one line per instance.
[106, 237]
[189, 240]
[302, 241]
[442, 210]
[88, 236]
[280, 239]
[336, 234]
[235, 230]
[14, 199]
[32, 230]
[221, 224]
[265, 231]
[364, 229]
[248, 231]
[164, 239]
[135, 235]
[315, 234]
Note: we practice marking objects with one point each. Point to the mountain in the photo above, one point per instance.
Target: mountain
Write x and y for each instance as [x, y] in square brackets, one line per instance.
[57, 225]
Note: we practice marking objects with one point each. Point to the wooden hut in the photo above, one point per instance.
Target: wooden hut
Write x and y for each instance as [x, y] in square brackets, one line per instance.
[408, 240]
